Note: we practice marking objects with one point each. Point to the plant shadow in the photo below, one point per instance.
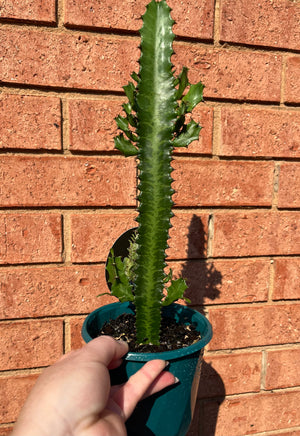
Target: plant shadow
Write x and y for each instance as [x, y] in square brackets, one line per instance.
[204, 283]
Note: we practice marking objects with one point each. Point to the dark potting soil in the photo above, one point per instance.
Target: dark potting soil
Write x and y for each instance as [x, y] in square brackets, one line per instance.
[172, 337]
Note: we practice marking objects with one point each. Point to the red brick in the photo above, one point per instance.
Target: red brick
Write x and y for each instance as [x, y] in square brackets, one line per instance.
[289, 185]
[92, 126]
[256, 132]
[83, 61]
[38, 10]
[286, 281]
[76, 340]
[256, 233]
[67, 181]
[75, 61]
[94, 234]
[228, 374]
[30, 238]
[292, 80]
[283, 369]
[194, 19]
[251, 414]
[241, 327]
[229, 74]
[6, 430]
[48, 291]
[29, 344]
[215, 183]
[225, 281]
[14, 389]
[269, 23]
[30, 122]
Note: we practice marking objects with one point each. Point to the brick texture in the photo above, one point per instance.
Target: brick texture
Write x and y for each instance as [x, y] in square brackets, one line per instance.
[260, 132]
[194, 19]
[292, 81]
[222, 183]
[66, 194]
[230, 374]
[225, 281]
[14, 391]
[36, 292]
[27, 344]
[30, 238]
[66, 60]
[240, 416]
[255, 326]
[289, 186]
[76, 340]
[67, 181]
[263, 24]
[256, 234]
[28, 10]
[29, 122]
[282, 369]
[287, 273]
[232, 74]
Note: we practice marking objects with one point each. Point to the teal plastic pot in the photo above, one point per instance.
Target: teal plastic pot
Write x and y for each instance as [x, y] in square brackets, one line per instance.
[168, 413]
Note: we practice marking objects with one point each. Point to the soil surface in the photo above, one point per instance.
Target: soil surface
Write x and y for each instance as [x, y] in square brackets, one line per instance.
[172, 337]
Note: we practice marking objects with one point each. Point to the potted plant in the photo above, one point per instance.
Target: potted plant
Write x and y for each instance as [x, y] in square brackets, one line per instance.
[154, 122]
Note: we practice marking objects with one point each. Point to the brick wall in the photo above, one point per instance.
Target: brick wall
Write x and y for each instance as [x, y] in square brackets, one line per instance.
[65, 195]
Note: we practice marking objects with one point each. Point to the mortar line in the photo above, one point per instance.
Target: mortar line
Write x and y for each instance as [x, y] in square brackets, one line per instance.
[271, 280]
[65, 126]
[282, 78]
[216, 34]
[275, 186]
[210, 236]
[60, 9]
[67, 238]
[216, 132]
[263, 370]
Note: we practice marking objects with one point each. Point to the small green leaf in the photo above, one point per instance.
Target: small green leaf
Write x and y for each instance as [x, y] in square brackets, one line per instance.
[122, 122]
[194, 96]
[122, 291]
[125, 146]
[188, 135]
[182, 82]
[130, 93]
[120, 285]
[127, 108]
[168, 276]
[175, 291]
[135, 77]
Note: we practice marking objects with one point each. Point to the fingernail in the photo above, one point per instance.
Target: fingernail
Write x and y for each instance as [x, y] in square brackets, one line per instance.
[176, 380]
[167, 363]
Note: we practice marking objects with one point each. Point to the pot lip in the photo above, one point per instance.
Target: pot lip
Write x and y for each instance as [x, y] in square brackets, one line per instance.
[164, 355]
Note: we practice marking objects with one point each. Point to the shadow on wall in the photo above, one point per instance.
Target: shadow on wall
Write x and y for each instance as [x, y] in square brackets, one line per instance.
[203, 282]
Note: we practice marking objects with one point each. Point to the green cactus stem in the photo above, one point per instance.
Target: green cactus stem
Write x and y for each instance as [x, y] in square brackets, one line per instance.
[153, 125]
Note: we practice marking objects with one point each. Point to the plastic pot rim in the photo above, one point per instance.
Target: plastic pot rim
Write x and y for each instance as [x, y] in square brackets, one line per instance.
[206, 335]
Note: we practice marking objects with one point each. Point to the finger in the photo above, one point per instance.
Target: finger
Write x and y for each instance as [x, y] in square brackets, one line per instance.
[106, 350]
[162, 381]
[140, 384]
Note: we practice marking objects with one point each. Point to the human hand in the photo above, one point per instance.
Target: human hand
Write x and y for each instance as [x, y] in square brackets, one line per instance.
[74, 397]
